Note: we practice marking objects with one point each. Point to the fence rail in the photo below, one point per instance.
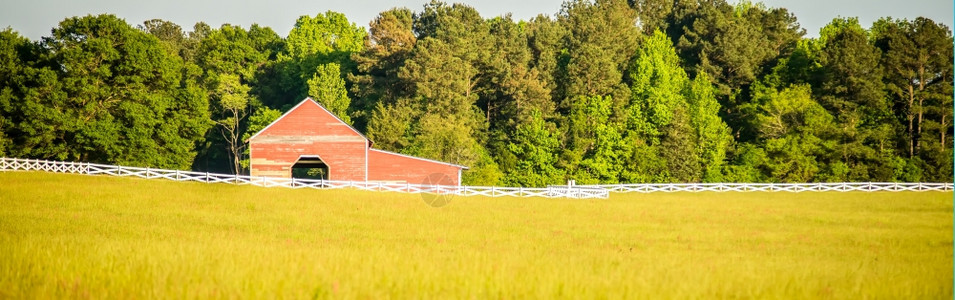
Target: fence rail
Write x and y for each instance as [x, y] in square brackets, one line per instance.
[576, 192]
[776, 187]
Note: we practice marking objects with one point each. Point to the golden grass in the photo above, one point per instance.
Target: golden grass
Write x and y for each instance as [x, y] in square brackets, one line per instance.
[75, 236]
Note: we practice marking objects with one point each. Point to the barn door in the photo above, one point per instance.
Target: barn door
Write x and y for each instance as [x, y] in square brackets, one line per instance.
[310, 167]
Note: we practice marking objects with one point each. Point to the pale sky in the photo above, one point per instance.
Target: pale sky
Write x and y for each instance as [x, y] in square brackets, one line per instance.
[35, 18]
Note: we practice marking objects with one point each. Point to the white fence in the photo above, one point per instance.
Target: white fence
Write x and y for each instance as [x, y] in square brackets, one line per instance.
[9, 164]
[575, 191]
[775, 187]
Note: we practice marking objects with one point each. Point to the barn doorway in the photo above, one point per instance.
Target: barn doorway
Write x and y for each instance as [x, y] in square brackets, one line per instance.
[310, 167]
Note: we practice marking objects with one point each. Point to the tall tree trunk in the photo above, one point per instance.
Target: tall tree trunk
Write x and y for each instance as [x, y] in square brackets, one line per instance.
[236, 147]
[230, 132]
[236, 161]
[944, 130]
[911, 117]
[918, 129]
[921, 110]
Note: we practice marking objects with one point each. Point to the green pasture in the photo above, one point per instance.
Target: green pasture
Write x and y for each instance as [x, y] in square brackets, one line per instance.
[77, 236]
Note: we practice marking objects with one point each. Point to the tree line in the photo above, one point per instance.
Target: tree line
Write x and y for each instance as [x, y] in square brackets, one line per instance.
[603, 91]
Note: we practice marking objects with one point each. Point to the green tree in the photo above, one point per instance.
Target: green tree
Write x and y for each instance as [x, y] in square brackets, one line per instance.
[546, 42]
[749, 163]
[447, 78]
[602, 37]
[918, 78]
[597, 41]
[658, 86]
[30, 92]
[535, 146]
[849, 76]
[327, 37]
[795, 133]
[174, 39]
[232, 59]
[679, 147]
[848, 83]
[713, 135]
[127, 100]
[449, 59]
[444, 79]
[328, 88]
[595, 150]
[313, 41]
[387, 46]
[391, 126]
[652, 14]
[675, 115]
[234, 50]
[514, 90]
[733, 45]
[12, 69]
[231, 107]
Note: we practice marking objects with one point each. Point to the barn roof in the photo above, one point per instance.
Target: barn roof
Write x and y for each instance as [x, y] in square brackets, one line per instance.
[306, 100]
[418, 158]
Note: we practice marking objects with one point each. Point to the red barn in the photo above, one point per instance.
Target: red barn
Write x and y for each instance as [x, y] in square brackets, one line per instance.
[310, 141]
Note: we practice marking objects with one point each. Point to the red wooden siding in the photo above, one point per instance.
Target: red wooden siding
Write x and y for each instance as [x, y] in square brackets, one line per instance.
[345, 160]
[388, 166]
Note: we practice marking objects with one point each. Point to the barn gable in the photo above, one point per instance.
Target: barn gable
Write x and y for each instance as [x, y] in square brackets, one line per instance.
[309, 118]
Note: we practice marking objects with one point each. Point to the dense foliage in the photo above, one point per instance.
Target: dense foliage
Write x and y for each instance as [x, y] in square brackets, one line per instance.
[602, 92]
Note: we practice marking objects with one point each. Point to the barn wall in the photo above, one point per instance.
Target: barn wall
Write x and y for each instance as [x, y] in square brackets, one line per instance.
[345, 160]
[309, 129]
[385, 166]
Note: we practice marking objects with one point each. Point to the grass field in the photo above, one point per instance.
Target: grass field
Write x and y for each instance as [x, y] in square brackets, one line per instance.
[76, 236]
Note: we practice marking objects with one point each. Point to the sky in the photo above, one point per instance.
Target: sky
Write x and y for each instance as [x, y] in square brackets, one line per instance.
[35, 18]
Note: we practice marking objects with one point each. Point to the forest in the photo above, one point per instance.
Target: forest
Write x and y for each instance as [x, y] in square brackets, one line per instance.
[602, 91]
